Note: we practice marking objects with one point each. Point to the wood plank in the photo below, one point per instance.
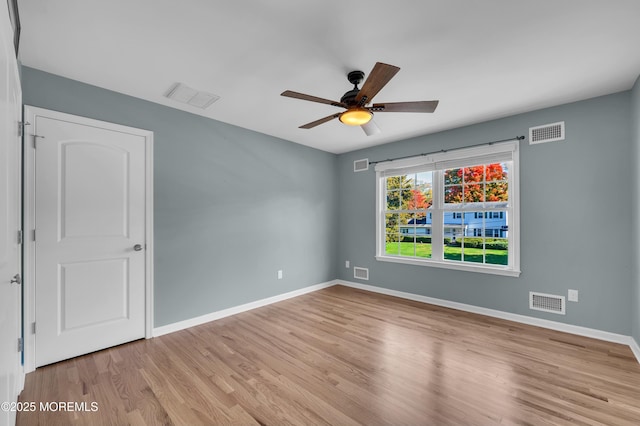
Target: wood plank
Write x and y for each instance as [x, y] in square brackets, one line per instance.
[347, 356]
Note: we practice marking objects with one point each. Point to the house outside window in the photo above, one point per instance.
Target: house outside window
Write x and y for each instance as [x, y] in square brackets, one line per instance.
[457, 209]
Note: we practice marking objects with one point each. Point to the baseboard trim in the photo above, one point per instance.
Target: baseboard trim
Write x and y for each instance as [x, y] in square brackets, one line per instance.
[523, 319]
[635, 348]
[553, 325]
[192, 322]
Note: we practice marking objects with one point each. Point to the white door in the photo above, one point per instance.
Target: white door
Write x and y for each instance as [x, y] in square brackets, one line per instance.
[10, 219]
[89, 235]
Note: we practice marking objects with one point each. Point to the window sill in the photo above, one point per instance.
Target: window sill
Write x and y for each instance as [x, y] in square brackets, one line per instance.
[495, 270]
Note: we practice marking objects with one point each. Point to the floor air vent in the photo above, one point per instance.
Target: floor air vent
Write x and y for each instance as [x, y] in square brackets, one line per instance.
[546, 302]
[361, 165]
[546, 133]
[361, 273]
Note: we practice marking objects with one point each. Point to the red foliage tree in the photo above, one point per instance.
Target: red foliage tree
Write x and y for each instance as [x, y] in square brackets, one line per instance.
[418, 201]
[476, 184]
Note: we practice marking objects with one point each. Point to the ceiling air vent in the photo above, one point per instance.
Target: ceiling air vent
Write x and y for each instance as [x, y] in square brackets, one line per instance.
[361, 165]
[361, 273]
[185, 94]
[546, 133]
[547, 302]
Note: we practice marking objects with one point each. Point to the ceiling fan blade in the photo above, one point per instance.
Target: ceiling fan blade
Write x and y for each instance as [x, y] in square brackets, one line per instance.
[291, 94]
[371, 128]
[420, 106]
[378, 78]
[319, 122]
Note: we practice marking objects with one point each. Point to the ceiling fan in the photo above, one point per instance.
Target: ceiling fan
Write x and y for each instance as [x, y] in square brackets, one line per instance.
[355, 101]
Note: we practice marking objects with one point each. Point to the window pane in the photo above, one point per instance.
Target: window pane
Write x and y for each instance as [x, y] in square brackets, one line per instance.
[474, 224]
[452, 248]
[497, 171]
[393, 182]
[452, 176]
[423, 235]
[392, 223]
[474, 193]
[452, 220]
[424, 181]
[408, 233]
[392, 244]
[422, 223]
[407, 223]
[423, 246]
[497, 251]
[452, 237]
[473, 174]
[496, 224]
[393, 200]
[452, 226]
[422, 194]
[410, 199]
[498, 191]
[473, 250]
[407, 246]
[453, 194]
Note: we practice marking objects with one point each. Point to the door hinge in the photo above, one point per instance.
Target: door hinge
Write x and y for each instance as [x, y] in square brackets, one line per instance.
[20, 344]
[20, 239]
[33, 327]
[21, 125]
[34, 235]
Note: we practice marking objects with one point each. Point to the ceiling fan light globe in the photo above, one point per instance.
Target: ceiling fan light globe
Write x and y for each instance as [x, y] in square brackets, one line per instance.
[356, 117]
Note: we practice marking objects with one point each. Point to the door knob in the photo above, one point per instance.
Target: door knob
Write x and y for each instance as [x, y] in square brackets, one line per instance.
[16, 279]
[137, 247]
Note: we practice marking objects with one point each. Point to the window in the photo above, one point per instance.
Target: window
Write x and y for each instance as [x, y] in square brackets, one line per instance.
[456, 209]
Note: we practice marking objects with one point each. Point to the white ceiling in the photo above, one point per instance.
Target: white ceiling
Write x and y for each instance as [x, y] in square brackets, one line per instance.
[481, 59]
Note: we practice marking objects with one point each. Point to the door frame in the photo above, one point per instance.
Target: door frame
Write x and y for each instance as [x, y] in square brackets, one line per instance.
[29, 314]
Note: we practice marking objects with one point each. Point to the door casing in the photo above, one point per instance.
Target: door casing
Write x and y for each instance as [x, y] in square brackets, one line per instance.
[30, 115]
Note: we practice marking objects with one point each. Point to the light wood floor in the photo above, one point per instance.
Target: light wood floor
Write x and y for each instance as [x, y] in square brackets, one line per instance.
[342, 356]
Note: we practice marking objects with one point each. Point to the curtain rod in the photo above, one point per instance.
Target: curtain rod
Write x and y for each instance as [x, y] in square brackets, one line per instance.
[518, 138]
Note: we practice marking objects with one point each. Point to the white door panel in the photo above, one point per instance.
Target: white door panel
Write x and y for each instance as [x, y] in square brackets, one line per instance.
[89, 215]
[103, 169]
[106, 292]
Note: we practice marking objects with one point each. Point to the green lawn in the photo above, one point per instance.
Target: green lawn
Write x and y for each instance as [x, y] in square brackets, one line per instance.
[495, 257]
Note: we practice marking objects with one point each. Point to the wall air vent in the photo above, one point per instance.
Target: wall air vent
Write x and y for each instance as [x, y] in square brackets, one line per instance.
[361, 165]
[185, 94]
[546, 133]
[361, 273]
[547, 302]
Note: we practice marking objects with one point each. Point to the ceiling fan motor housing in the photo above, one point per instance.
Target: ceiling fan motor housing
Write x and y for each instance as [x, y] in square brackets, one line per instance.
[349, 98]
[355, 78]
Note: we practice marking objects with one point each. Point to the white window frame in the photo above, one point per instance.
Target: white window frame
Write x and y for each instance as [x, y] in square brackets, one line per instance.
[437, 163]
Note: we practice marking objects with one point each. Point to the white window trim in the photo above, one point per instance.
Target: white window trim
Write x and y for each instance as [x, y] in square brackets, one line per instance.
[480, 155]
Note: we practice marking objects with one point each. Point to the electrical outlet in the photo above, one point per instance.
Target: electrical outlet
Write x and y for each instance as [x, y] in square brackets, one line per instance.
[573, 295]
[280, 274]
[347, 264]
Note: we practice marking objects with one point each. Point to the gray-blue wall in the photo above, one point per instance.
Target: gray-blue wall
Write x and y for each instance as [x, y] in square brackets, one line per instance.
[635, 128]
[232, 206]
[575, 217]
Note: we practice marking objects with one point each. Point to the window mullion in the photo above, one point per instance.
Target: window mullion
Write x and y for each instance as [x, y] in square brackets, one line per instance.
[437, 217]
[380, 213]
